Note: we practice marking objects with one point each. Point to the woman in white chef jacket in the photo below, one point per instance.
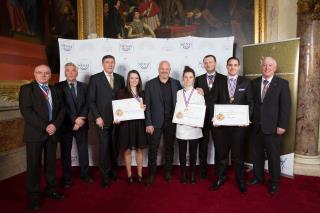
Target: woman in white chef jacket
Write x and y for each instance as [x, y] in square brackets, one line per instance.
[188, 134]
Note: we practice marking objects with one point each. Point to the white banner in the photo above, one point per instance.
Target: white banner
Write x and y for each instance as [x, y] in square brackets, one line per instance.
[144, 55]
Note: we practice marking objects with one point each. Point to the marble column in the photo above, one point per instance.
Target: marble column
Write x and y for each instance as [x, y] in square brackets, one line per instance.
[308, 110]
[90, 18]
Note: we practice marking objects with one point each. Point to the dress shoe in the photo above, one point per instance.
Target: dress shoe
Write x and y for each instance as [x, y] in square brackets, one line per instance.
[130, 180]
[54, 195]
[66, 183]
[140, 179]
[243, 188]
[273, 189]
[218, 183]
[34, 204]
[167, 176]
[87, 179]
[105, 183]
[255, 181]
[150, 180]
[193, 178]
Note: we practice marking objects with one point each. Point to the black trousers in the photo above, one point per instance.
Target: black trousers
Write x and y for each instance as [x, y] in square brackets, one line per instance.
[108, 152]
[230, 138]
[34, 158]
[168, 131]
[268, 144]
[193, 148]
[203, 146]
[81, 137]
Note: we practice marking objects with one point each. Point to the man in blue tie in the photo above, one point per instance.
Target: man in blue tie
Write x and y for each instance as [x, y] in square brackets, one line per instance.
[43, 113]
[271, 113]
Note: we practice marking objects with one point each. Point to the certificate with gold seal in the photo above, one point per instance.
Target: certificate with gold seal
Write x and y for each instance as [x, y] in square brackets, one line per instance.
[127, 109]
[193, 115]
[231, 115]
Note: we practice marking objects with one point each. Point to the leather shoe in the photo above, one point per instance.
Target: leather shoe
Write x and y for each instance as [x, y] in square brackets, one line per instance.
[273, 189]
[140, 179]
[255, 181]
[130, 180]
[216, 185]
[150, 180]
[167, 176]
[34, 204]
[105, 183]
[66, 183]
[87, 179]
[54, 195]
[243, 188]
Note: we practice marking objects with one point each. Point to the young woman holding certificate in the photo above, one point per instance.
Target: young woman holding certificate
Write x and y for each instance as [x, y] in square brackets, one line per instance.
[131, 134]
[184, 133]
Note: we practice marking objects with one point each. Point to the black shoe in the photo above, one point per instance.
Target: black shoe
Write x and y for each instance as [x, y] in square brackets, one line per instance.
[54, 195]
[130, 180]
[34, 204]
[66, 183]
[203, 175]
[273, 189]
[255, 181]
[193, 178]
[87, 178]
[140, 179]
[243, 188]
[150, 180]
[167, 176]
[218, 183]
[105, 183]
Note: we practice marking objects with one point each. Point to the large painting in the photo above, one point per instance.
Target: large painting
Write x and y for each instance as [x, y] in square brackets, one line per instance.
[243, 19]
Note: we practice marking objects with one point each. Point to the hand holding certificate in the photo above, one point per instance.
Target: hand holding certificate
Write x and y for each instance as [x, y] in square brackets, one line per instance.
[231, 115]
[127, 109]
[193, 115]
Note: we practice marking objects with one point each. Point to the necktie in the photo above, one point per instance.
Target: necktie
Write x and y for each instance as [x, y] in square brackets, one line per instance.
[46, 89]
[211, 79]
[231, 86]
[264, 90]
[73, 91]
[111, 80]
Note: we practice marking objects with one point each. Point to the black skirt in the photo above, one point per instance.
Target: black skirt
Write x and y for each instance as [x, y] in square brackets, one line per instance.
[132, 135]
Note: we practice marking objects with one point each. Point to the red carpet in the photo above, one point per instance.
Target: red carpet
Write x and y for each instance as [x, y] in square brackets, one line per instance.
[301, 194]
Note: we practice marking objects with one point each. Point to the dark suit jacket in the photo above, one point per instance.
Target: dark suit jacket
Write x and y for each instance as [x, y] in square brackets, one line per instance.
[275, 110]
[154, 101]
[100, 96]
[210, 96]
[34, 109]
[242, 94]
[73, 108]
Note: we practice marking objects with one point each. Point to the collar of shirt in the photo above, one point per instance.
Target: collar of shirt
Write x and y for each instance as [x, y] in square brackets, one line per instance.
[268, 79]
[188, 90]
[233, 77]
[107, 75]
[167, 82]
[74, 83]
[214, 73]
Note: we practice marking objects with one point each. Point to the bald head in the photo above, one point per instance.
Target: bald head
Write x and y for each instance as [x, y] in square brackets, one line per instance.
[42, 74]
[268, 67]
[164, 70]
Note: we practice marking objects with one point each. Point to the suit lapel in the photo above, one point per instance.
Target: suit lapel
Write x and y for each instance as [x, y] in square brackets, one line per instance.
[44, 102]
[205, 83]
[69, 95]
[159, 88]
[273, 85]
[174, 90]
[258, 82]
[236, 92]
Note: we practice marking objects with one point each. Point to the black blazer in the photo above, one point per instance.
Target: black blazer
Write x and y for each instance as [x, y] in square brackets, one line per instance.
[154, 101]
[210, 96]
[242, 94]
[34, 109]
[275, 110]
[73, 108]
[100, 96]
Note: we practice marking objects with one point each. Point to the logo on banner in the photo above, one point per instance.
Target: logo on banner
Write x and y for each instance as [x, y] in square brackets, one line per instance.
[84, 65]
[126, 47]
[144, 65]
[186, 45]
[67, 46]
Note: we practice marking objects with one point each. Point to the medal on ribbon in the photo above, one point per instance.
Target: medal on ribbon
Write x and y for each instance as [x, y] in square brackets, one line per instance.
[139, 99]
[186, 101]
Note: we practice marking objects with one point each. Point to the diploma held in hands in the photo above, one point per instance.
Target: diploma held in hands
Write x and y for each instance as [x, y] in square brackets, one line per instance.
[127, 109]
[231, 115]
[193, 115]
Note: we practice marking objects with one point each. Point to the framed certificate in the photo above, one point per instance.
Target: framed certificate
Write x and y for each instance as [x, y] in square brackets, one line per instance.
[127, 109]
[231, 115]
[191, 116]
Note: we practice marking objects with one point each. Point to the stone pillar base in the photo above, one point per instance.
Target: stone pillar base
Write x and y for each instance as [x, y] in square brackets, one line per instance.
[307, 165]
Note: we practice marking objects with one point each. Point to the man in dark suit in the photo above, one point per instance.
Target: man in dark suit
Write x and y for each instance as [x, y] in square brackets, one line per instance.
[102, 90]
[160, 100]
[208, 82]
[233, 90]
[43, 113]
[271, 113]
[75, 124]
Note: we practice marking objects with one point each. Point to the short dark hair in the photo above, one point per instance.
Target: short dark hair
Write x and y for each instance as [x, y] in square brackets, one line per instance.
[188, 69]
[208, 56]
[107, 56]
[233, 58]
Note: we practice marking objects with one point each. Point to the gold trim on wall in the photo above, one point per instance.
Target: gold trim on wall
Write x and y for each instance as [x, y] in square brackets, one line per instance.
[260, 21]
[99, 18]
[80, 12]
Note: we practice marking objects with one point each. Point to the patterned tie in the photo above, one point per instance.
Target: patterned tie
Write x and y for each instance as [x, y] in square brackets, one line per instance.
[232, 86]
[264, 90]
[211, 79]
[73, 91]
[111, 80]
[46, 89]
